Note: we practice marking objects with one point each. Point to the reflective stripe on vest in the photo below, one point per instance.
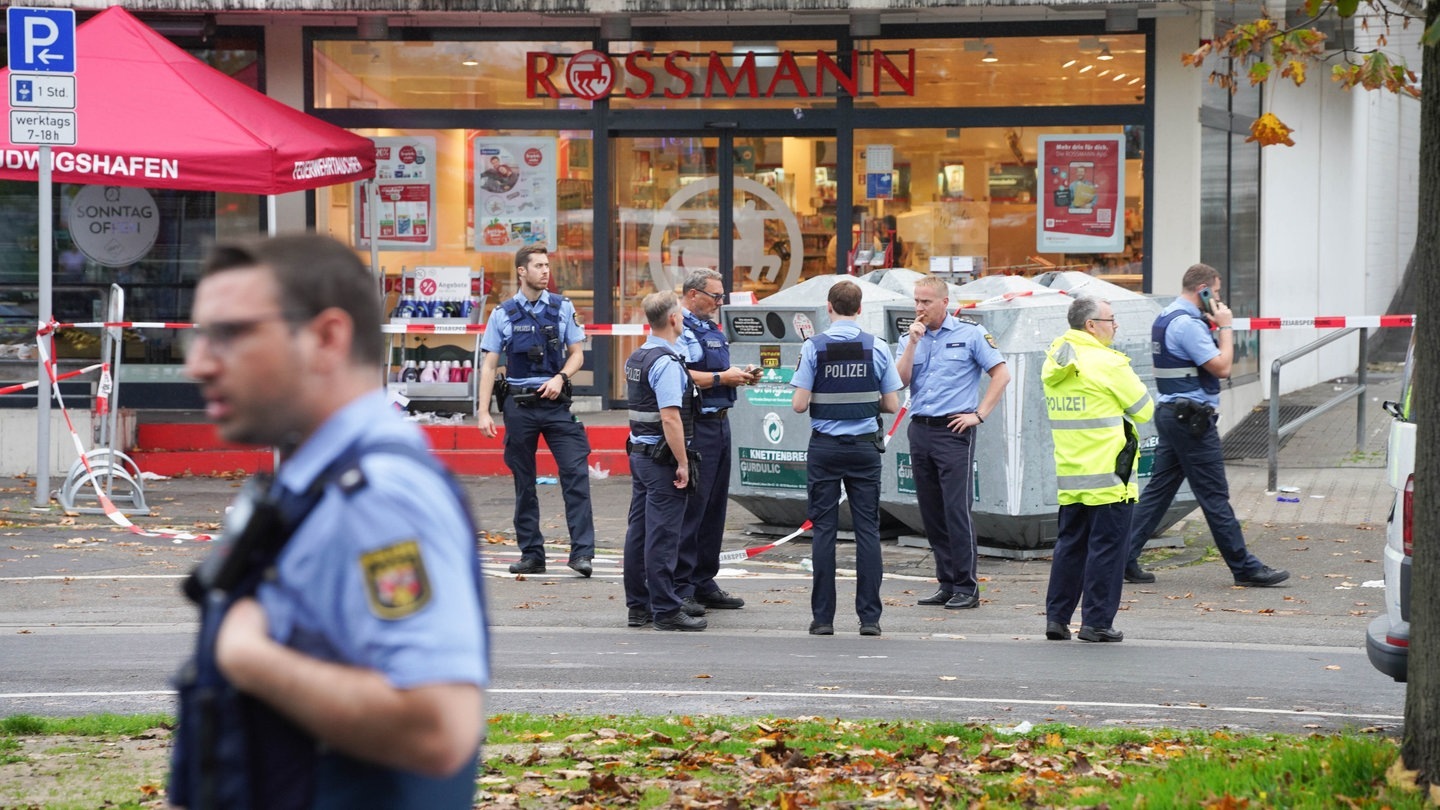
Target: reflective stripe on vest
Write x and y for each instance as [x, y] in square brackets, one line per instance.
[644, 408]
[846, 383]
[1175, 374]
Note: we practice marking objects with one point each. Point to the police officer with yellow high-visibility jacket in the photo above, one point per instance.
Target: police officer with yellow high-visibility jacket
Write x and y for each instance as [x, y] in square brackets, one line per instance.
[1094, 399]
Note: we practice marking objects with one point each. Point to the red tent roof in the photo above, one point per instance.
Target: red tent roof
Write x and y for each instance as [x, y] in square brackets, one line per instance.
[149, 114]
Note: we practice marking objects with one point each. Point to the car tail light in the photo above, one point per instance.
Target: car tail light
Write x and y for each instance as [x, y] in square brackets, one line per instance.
[1397, 642]
[1407, 513]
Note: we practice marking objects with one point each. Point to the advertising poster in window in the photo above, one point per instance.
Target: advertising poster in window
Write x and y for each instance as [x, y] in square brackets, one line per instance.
[515, 186]
[1082, 194]
[405, 185]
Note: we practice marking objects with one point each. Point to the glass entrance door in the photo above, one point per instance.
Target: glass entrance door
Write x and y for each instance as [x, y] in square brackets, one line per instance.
[670, 218]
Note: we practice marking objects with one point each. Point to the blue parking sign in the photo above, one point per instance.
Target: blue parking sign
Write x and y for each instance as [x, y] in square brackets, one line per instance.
[41, 40]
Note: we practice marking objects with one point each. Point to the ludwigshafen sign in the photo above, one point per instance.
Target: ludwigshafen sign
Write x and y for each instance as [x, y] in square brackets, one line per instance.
[113, 225]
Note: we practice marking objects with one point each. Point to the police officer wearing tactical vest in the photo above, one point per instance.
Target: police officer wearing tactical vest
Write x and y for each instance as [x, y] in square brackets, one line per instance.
[707, 355]
[845, 379]
[543, 343]
[662, 421]
[1094, 400]
[941, 358]
[342, 650]
[1190, 362]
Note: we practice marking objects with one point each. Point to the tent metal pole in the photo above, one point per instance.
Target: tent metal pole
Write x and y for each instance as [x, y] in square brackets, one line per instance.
[46, 292]
[270, 214]
[372, 191]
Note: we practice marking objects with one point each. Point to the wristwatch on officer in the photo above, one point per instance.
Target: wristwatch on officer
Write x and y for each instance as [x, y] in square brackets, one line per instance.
[715, 380]
[564, 376]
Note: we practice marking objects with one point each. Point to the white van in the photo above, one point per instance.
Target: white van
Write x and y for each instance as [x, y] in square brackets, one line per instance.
[1387, 641]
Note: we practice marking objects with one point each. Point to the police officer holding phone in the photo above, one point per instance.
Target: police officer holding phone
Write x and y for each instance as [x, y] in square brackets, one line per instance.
[1190, 362]
[707, 355]
[544, 346]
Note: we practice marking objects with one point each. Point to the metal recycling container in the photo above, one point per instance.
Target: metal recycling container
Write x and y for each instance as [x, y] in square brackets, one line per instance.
[1015, 505]
[769, 441]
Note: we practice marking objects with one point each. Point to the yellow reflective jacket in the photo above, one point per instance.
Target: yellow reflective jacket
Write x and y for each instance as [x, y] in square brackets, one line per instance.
[1094, 400]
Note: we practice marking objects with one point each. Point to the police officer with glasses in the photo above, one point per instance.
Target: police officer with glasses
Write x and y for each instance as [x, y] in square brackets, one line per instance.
[707, 355]
[544, 345]
[941, 358]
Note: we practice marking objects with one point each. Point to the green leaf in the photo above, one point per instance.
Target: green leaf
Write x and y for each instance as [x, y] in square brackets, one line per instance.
[1432, 35]
[1346, 8]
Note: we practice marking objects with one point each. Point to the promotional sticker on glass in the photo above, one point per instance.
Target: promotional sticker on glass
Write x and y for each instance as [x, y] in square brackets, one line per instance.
[515, 192]
[405, 188]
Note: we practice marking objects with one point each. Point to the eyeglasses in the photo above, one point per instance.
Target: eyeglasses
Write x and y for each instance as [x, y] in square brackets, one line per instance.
[719, 297]
[1106, 320]
[220, 337]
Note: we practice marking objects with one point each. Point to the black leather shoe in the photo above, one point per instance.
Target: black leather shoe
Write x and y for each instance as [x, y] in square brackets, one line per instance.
[528, 565]
[720, 600]
[582, 567]
[679, 621]
[869, 629]
[1134, 573]
[940, 597]
[639, 617]
[1088, 633]
[820, 629]
[691, 608]
[1055, 631]
[1263, 578]
[963, 601]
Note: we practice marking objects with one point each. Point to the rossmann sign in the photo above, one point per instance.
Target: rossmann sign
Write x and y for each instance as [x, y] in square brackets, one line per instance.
[594, 75]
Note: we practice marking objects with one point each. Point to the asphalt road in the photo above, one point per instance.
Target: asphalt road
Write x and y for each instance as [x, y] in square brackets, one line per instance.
[91, 620]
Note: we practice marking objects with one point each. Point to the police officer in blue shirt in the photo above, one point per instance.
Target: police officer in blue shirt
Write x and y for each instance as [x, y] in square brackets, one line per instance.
[845, 379]
[364, 651]
[662, 402]
[941, 358]
[707, 355]
[543, 343]
[1190, 362]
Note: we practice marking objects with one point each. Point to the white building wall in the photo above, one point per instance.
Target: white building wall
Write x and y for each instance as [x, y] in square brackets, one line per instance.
[285, 81]
[1174, 240]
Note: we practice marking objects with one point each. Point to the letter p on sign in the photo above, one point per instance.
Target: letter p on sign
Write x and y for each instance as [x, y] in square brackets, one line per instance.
[41, 39]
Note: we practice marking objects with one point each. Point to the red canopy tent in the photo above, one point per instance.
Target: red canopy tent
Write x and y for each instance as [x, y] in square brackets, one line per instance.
[151, 115]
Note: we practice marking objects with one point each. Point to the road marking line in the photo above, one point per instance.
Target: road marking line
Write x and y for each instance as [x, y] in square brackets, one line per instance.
[828, 696]
[93, 576]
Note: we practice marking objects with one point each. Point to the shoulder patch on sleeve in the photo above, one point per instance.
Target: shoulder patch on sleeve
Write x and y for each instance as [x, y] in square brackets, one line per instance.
[989, 338]
[576, 317]
[395, 580]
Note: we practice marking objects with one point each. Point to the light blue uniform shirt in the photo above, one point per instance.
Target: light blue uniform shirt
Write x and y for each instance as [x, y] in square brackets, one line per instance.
[498, 331]
[805, 378]
[1191, 339]
[668, 379]
[321, 604]
[945, 377]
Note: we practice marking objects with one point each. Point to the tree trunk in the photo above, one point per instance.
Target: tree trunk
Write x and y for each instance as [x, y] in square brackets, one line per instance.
[1421, 747]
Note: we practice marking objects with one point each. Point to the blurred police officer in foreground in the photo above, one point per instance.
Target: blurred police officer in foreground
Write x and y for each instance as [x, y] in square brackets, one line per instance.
[347, 609]
[941, 358]
[1094, 400]
[1190, 362]
[707, 354]
[846, 379]
[543, 343]
[662, 418]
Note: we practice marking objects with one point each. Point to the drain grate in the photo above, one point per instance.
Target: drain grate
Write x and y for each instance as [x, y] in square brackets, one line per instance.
[1251, 438]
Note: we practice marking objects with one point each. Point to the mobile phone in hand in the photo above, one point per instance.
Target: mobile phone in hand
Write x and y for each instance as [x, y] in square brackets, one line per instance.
[1207, 303]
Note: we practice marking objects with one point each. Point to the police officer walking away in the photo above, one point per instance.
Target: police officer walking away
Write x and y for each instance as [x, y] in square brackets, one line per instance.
[347, 610]
[941, 358]
[544, 347]
[846, 379]
[662, 401]
[1094, 400]
[707, 355]
[1189, 364]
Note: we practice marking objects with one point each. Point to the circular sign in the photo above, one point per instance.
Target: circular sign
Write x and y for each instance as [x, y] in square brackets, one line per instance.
[407, 154]
[533, 156]
[773, 428]
[590, 75]
[428, 287]
[112, 225]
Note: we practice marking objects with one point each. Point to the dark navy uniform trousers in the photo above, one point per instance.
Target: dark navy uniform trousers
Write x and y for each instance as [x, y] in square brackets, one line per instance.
[855, 462]
[941, 461]
[652, 538]
[703, 531]
[571, 447]
[1198, 459]
[1090, 561]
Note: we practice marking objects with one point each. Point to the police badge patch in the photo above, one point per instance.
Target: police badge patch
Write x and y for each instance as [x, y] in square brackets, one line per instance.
[991, 340]
[395, 580]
